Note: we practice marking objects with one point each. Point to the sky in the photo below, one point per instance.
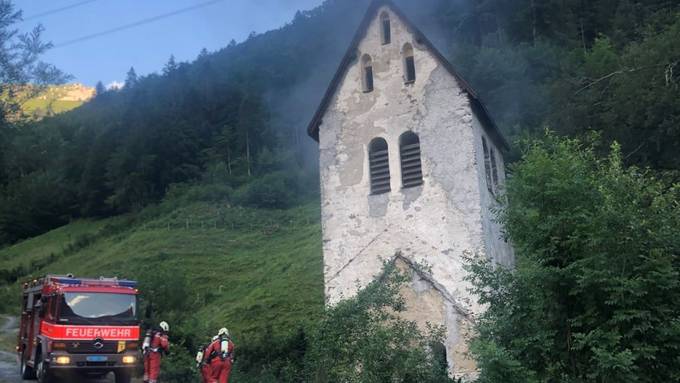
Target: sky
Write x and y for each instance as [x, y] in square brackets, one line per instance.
[196, 24]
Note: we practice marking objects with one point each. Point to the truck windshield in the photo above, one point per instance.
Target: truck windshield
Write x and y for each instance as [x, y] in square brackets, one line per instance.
[85, 308]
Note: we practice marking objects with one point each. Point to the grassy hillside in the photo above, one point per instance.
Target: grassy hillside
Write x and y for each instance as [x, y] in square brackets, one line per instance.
[39, 249]
[37, 103]
[39, 107]
[249, 269]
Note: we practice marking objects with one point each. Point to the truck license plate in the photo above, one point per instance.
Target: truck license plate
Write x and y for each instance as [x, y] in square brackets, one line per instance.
[97, 358]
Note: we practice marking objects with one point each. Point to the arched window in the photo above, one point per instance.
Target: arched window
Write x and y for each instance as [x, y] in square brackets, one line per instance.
[494, 169]
[411, 165]
[379, 163]
[367, 73]
[386, 28]
[409, 64]
[487, 165]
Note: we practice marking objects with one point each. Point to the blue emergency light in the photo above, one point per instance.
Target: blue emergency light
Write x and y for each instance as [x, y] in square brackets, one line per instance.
[68, 281]
[126, 283]
[79, 282]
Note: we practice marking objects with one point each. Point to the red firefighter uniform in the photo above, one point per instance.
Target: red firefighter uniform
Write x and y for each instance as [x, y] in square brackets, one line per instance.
[204, 366]
[206, 373]
[152, 356]
[220, 362]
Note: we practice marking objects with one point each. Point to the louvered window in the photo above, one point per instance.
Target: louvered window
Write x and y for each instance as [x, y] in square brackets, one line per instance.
[386, 29]
[487, 165]
[409, 64]
[411, 165]
[367, 70]
[379, 162]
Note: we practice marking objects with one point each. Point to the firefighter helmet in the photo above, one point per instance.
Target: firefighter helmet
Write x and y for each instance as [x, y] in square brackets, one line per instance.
[223, 332]
[164, 326]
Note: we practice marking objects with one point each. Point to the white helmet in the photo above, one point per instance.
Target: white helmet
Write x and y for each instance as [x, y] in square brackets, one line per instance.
[164, 326]
[223, 332]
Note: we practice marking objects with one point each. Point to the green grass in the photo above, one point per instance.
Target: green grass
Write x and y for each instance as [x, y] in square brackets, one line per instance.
[248, 269]
[53, 242]
[57, 106]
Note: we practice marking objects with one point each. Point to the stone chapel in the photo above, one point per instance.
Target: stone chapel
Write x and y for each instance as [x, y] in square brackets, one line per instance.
[411, 163]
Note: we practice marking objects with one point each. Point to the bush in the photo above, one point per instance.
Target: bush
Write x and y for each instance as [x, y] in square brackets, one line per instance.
[363, 340]
[593, 297]
[165, 293]
[272, 191]
[178, 367]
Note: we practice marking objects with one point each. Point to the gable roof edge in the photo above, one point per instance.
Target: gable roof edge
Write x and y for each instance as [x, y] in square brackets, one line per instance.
[426, 276]
[477, 105]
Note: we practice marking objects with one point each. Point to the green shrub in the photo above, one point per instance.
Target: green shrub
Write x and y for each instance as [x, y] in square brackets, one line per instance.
[363, 340]
[272, 191]
[593, 296]
[178, 367]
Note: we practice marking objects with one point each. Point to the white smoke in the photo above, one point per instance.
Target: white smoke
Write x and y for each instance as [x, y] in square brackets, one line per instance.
[115, 85]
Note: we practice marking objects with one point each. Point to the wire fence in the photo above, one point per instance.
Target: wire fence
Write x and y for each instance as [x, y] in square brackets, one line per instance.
[222, 223]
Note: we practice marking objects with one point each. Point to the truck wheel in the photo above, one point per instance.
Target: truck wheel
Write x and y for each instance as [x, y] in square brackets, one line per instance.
[123, 377]
[26, 371]
[42, 371]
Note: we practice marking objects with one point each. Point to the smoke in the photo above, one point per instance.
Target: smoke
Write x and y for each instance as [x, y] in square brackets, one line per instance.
[115, 85]
[293, 107]
[498, 71]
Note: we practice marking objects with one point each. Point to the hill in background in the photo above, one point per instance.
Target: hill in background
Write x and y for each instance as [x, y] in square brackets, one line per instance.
[38, 103]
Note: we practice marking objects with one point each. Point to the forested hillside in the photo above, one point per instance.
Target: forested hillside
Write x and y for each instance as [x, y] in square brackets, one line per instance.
[609, 66]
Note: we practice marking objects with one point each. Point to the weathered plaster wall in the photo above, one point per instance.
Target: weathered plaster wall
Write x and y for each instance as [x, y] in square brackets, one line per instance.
[429, 304]
[496, 246]
[434, 224]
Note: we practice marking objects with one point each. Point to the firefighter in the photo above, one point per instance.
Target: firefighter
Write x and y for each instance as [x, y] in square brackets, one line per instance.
[201, 364]
[155, 345]
[220, 356]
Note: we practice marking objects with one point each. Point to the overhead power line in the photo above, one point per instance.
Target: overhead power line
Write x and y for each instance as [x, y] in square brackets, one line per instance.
[136, 23]
[58, 10]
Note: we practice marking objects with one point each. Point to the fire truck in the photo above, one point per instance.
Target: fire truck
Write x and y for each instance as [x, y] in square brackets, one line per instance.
[78, 325]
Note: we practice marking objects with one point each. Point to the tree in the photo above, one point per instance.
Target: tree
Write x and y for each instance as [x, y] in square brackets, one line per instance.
[170, 66]
[20, 64]
[131, 79]
[99, 89]
[251, 128]
[636, 90]
[594, 293]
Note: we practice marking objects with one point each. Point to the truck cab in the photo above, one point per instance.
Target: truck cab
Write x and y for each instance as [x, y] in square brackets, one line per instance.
[78, 325]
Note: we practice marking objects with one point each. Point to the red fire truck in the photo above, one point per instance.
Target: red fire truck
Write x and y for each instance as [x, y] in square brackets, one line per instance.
[78, 325]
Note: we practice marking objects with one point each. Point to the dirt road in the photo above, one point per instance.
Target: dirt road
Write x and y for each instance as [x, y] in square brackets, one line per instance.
[9, 365]
[9, 370]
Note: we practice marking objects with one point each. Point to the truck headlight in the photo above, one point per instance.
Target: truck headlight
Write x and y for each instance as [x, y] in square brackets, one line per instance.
[62, 360]
[129, 360]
